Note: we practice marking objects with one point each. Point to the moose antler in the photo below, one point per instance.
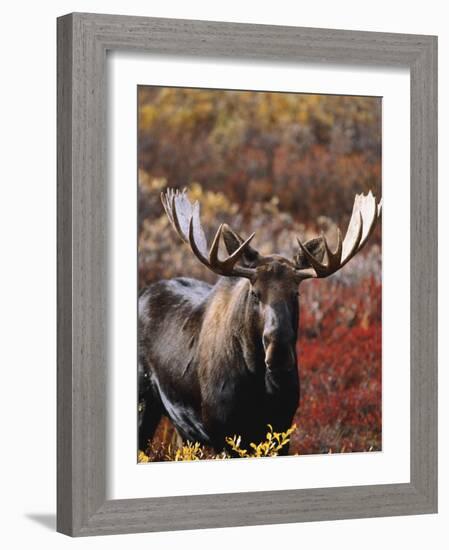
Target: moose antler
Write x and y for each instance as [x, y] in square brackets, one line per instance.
[185, 219]
[365, 213]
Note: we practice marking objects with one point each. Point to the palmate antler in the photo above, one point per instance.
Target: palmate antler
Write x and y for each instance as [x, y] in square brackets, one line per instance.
[365, 213]
[185, 218]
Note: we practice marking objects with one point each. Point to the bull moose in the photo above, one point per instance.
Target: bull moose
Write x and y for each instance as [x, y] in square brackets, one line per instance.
[220, 359]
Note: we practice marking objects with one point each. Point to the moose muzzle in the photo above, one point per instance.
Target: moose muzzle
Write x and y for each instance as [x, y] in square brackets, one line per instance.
[279, 339]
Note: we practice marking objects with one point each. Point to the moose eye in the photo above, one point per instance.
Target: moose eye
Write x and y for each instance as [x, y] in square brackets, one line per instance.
[255, 294]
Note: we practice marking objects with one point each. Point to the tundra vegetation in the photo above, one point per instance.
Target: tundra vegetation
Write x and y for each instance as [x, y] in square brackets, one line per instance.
[282, 166]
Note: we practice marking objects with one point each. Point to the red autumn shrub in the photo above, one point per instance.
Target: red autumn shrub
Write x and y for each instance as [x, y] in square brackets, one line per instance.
[340, 370]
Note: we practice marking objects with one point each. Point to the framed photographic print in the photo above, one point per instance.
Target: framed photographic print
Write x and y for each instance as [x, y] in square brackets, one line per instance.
[246, 274]
[233, 340]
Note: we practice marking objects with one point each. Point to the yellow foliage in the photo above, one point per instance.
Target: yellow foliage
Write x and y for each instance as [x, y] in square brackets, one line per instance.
[274, 442]
[190, 451]
[185, 110]
[142, 458]
[150, 184]
[271, 446]
[211, 202]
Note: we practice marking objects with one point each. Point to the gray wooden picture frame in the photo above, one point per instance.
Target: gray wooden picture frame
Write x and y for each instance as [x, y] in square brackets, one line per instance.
[83, 41]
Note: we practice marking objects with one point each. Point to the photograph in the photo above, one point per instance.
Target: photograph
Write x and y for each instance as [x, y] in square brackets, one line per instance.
[259, 274]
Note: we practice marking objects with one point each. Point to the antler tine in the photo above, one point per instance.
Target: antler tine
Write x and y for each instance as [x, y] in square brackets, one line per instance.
[168, 202]
[365, 213]
[213, 254]
[186, 222]
[174, 212]
[334, 258]
[167, 206]
[194, 246]
[317, 266]
[379, 209]
[227, 266]
[237, 254]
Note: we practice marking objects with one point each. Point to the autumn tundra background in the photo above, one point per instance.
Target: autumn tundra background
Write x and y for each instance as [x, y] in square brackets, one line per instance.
[282, 165]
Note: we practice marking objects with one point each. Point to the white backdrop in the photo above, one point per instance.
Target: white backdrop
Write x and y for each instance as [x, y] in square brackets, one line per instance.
[27, 292]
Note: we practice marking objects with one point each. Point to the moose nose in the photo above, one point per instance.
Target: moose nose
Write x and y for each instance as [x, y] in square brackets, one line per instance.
[277, 327]
[278, 340]
[272, 341]
[279, 354]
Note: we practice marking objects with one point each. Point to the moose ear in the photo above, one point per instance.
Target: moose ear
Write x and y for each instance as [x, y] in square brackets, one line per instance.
[315, 247]
[233, 240]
